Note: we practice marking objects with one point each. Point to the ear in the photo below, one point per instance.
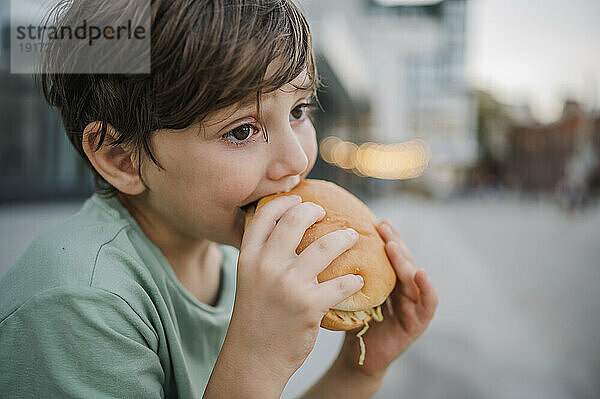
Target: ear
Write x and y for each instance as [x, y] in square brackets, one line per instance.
[117, 164]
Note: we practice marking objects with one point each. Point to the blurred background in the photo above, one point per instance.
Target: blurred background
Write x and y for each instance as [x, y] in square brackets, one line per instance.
[474, 126]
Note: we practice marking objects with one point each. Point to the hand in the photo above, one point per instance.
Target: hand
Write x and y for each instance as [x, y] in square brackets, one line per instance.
[413, 300]
[279, 302]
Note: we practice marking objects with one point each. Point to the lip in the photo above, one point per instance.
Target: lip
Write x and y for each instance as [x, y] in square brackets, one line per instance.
[293, 183]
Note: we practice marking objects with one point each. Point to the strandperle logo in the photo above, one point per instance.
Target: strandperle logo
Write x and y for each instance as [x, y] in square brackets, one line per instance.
[111, 38]
[90, 33]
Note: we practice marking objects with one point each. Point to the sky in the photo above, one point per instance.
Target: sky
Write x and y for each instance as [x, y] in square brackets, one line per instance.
[538, 52]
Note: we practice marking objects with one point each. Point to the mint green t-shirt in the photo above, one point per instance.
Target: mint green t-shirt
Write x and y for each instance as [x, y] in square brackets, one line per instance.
[92, 309]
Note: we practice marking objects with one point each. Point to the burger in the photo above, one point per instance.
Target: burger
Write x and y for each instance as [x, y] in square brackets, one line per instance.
[367, 257]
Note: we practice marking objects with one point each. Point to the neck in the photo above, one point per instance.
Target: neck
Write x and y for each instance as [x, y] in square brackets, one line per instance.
[196, 262]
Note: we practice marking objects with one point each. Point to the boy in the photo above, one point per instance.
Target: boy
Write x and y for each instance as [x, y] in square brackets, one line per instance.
[143, 292]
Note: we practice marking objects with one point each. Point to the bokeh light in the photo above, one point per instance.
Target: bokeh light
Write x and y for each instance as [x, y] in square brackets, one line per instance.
[397, 161]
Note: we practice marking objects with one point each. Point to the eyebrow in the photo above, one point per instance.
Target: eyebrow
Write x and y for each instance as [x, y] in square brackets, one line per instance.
[251, 100]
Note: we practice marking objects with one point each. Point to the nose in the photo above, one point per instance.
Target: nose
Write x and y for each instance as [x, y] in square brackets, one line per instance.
[288, 157]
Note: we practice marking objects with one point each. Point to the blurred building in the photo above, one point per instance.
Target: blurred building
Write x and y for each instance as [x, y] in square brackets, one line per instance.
[495, 121]
[518, 152]
[36, 159]
[542, 156]
[595, 178]
[407, 64]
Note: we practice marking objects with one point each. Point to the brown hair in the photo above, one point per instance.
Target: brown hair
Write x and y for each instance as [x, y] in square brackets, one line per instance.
[205, 55]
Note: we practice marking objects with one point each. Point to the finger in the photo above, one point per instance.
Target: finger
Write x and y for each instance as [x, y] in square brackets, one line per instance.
[429, 295]
[404, 270]
[262, 224]
[290, 229]
[334, 291]
[319, 254]
[389, 233]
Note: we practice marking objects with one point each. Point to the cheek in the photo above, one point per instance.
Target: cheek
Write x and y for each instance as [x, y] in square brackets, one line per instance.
[235, 175]
[195, 176]
[237, 186]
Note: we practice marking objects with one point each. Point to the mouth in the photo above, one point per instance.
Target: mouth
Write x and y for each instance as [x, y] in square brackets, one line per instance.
[249, 205]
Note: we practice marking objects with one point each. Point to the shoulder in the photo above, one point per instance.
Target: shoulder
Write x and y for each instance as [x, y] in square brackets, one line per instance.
[90, 245]
[76, 307]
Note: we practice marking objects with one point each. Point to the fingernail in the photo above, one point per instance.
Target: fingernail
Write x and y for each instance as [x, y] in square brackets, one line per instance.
[361, 279]
[296, 197]
[352, 232]
[321, 209]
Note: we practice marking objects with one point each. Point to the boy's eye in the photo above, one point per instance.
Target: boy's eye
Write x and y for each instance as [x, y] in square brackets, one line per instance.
[299, 112]
[241, 133]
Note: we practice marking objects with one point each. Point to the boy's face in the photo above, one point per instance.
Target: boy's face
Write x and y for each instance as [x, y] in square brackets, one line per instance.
[210, 172]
